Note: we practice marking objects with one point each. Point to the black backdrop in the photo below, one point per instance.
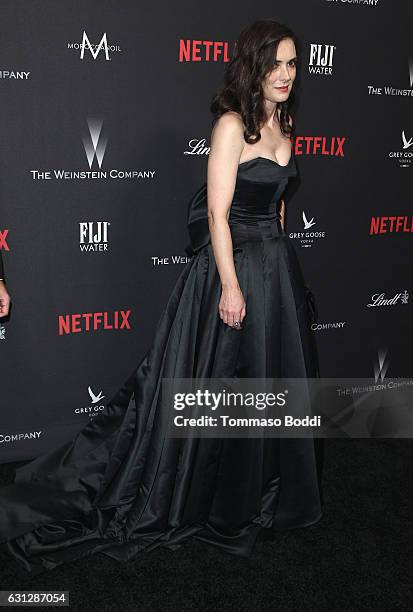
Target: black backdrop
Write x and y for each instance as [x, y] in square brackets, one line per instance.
[141, 113]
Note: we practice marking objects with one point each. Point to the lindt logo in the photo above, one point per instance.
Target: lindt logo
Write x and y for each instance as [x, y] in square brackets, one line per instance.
[380, 299]
[93, 321]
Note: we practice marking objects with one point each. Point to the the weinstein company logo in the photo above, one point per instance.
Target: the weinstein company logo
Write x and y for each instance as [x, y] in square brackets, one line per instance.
[94, 50]
[93, 321]
[14, 75]
[158, 261]
[380, 367]
[94, 145]
[380, 299]
[321, 59]
[203, 51]
[405, 154]
[20, 436]
[95, 405]
[93, 236]
[402, 224]
[391, 90]
[95, 142]
[307, 235]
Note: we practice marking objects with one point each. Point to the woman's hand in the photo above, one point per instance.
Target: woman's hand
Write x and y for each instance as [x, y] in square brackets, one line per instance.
[4, 300]
[282, 213]
[232, 306]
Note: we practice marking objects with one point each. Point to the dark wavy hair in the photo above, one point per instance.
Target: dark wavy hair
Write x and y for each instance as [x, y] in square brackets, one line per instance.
[254, 57]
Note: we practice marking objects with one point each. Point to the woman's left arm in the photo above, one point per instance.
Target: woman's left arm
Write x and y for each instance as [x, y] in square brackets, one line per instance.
[282, 206]
[282, 213]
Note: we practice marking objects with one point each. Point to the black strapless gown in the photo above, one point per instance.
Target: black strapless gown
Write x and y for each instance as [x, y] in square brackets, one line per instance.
[120, 487]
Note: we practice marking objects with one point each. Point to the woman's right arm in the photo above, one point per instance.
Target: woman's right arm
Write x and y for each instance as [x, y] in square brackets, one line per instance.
[227, 143]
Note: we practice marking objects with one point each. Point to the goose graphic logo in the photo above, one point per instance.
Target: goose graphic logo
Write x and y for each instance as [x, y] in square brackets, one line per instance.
[95, 398]
[308, 224]
[95, 143]
[406, 143]
[381, 366]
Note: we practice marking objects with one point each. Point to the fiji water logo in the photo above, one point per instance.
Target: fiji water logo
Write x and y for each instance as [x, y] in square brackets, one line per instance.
[93, 236]
[321, 59]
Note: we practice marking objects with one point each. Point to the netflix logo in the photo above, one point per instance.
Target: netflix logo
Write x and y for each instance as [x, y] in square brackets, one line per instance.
[3, 242]
[93, 321]
[391, 225]
[203, 51]
[324, 146]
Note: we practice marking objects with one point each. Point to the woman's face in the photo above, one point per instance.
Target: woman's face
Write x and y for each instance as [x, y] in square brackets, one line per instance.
[278, 83]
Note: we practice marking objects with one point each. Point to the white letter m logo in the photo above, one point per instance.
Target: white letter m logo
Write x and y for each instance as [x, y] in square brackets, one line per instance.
[86, 42]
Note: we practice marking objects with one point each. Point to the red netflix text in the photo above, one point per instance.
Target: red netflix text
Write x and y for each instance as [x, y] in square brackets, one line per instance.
[391, 225]
[93, 321]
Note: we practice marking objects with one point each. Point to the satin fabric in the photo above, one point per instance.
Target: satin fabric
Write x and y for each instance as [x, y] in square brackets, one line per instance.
[120, 486]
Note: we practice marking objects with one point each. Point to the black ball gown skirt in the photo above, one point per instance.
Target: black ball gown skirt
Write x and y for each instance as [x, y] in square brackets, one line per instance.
[120, 486]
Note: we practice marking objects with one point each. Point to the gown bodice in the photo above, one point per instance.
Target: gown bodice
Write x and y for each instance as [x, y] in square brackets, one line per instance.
[259, 185]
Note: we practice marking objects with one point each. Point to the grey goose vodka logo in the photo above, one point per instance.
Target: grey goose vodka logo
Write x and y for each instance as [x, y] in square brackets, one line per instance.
[94, 50]
[95, 141]
[404, 155]
[95, 405]
[309, 232]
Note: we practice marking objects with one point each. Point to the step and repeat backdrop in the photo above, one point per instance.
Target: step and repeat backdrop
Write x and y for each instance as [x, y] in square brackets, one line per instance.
[105, 129]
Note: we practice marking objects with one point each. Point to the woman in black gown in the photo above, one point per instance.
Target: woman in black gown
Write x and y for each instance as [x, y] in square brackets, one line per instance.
[240, 308]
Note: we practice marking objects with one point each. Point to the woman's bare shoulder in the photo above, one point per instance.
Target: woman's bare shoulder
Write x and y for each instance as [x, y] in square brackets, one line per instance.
[229, 124]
